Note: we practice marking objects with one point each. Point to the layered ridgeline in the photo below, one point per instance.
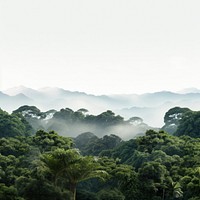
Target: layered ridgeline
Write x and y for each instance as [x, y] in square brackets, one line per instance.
[150, 106]
[44, 165]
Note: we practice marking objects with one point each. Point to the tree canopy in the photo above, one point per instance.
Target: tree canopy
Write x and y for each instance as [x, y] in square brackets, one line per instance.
[48, 166]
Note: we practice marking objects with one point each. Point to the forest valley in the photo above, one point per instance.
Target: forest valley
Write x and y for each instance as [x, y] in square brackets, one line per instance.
[37, 162]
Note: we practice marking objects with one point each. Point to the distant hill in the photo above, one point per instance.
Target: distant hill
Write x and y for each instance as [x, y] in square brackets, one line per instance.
[10, 103]
[189, 90]
[149, 106]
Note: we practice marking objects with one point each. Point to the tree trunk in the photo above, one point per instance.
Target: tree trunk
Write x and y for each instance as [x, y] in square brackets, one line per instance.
[163, 196]
[73, 191]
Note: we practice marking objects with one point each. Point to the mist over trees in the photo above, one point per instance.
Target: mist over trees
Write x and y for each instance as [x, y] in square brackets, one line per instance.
[151, 107]
[72, 123]
[41, 164]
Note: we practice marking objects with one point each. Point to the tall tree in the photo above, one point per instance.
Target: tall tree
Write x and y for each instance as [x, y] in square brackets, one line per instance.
[70, 165]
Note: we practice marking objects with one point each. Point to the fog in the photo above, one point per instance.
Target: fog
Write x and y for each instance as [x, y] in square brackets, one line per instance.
[125, 131]
[151, 107]
[70, 123]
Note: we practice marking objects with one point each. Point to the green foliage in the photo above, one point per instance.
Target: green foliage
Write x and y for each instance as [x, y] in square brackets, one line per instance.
[14, 146]
[89, 144]
[172, 119]
[28, 110]
[37, 188]
[110, 194]
[65, 114]
[83, 141]
[12, 125]
[71, 123]
[46, 166]
[47, 141]
[108, 118]
[189, 124]
[73, 167]
[8, 193]
[85, 195]
[160, 161]
[33, 116]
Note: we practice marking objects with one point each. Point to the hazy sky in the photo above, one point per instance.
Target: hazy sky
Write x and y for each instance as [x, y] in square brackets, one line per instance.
[100, 47]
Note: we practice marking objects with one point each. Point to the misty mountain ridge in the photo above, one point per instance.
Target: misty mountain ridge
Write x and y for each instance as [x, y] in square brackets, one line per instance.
[189, 90]
[149, 106]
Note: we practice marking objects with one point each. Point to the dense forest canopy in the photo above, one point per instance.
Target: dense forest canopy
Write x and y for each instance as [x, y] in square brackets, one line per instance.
[42, 164]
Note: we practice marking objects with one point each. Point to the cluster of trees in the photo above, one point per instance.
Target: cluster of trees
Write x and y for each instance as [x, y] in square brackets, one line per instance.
[172, 119]
[166, 165]
[90, 144]
[13, 125]
[45, 165]
[72, 123]
[182, 121]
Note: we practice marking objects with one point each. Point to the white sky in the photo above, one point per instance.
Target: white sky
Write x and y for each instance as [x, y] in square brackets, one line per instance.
[100, 47]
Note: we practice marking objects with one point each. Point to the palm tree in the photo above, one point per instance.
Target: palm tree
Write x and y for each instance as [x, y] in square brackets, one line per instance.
[177, 192]
[70, 165]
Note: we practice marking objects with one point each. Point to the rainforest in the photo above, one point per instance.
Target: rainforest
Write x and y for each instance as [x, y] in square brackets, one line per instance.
[37, 163]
